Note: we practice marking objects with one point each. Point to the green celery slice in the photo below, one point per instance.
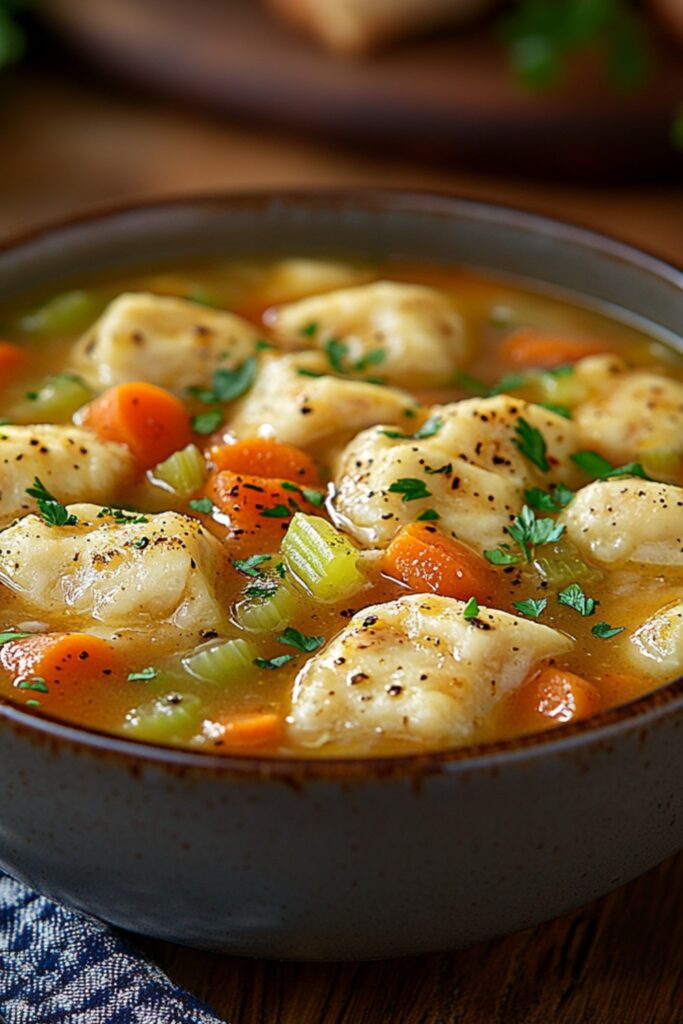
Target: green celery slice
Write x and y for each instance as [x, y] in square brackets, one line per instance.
[321, 558]
[222, 663]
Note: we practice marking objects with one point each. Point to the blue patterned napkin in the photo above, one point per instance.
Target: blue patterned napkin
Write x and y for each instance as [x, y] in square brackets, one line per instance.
[59, 967]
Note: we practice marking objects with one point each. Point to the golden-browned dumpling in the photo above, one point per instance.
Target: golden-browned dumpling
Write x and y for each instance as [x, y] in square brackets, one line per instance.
[407, 334]
[416, 669]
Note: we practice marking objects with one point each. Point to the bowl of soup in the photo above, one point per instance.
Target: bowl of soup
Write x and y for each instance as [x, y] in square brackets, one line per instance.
[341, 569]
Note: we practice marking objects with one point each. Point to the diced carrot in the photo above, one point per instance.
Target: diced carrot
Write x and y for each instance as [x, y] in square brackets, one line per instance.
[268, 458]
[12, 360]
[255, 730]
[254, 510]
[550, 698]
[152, 422]
[425, 560]
[54, 664]
[528, 347]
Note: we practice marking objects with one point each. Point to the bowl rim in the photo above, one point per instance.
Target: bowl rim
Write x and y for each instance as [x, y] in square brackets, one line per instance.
[568, 739]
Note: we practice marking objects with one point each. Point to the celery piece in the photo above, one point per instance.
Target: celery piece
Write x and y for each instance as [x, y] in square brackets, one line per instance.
[321, 558]
[68, 311]
[561, 565]
[661, 462]
[174, 717]
[58, 399]
[222, 663]
[565, 389]
[267, 614]
[184, 471]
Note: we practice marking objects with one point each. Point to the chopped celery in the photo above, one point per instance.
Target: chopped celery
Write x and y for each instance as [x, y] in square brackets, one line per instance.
[222, 663]
[559, 389]
[267, 614]
[58, 399]
[561, 564]
[172, 717]
[68, 311]
[321, 558]
[184, 471]
[658, 462]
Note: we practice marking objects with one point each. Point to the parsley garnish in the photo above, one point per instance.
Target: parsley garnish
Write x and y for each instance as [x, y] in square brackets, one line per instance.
[594, 465]
[10, 635]
[429, 515]
[265, 587]
[604, 631]
[531, 444]
[119, 515]
[528, 531]
[51, 510]
[447, 468]
[337, 351]
[34, 683]
[309, 329]
[510, 382]
[559, 410]
[272, 663]
[501, 556]
[410, 488]
[293, 638]
[531, 606]
[227, 385]
[276, 512]
[376, 355]
[207, 422]
[249, 566]
[143, 675]
[204, 505]
[312, 496]
[574, 597]
[549, 501]
[430, 427]
[141, 544]
[471, 609]
[303, 372]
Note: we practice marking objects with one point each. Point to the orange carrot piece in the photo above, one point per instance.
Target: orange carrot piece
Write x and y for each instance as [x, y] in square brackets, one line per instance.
[553, 697]
[425, 560]
[267, 458]
[253, 509]
[254, 730]
[63, 661]
[528, 347]
[12, 361]
[152, 422]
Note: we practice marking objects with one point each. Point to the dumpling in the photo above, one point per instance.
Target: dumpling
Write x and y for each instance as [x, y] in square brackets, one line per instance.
[296, 401]
[473, 473]
[408, 334]
[416, 669]
[656, 647]
[73, 464]
[164, 340]
[292, 279]
[124, 571]
[627, 520]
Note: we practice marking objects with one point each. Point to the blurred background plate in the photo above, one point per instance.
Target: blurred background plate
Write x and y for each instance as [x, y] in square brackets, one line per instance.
[449, 98]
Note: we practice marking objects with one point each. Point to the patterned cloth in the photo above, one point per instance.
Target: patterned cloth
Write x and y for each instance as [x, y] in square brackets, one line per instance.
[59, 967]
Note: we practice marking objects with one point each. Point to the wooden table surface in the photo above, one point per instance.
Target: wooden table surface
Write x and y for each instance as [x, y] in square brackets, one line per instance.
[72, 142]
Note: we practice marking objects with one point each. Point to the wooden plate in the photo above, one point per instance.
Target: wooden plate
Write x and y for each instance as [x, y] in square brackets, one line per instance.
[448, 98]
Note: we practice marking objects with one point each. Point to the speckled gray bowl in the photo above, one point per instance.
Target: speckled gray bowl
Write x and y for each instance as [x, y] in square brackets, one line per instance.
[327, 860]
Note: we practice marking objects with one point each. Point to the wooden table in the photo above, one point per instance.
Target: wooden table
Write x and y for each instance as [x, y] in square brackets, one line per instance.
[72, 143]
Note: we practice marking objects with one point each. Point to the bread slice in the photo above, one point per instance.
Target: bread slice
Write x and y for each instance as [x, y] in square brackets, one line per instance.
[354, 26]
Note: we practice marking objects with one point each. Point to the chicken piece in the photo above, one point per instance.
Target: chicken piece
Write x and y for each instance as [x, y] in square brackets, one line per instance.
[297, 401]
[163, 340]
[627, 520]
[471, 468]
[635, 412]
[656, 647]
[416, 669]
[73, 464]
[407, 334]
[122, 570]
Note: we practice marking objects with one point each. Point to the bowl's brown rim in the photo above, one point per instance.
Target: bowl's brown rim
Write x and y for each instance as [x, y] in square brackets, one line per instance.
[600, 728]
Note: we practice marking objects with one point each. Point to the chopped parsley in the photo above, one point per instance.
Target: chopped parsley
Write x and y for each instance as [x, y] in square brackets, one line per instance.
[207, 422]
[372, 358]
[501, 556]
[510, 382]
[308, 330]
[120, 515]
[531, 606]
[249, 566]
[549, 501]
[141, 544]
[51, 510]
[429, 515]
[471, 609]
[529, 531]
[447, 469]
[594, 465]
[531, 443]
[227, 385]
[293, 638]
[264, 587]
[410, 488]
[430, 427]
[34, 683]
[303, 372]
[276, 512]
[312, 496]
[143, 675]
[273, 663]
[574, 597]
[559, 410]
[10, 635]
[604, 631]
[204, 505]
[336, 350]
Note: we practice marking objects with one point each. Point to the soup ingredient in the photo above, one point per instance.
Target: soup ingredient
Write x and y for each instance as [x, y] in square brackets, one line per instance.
[61, 660]
[254, 510]
[51, 510]
[270, 612]
[411, 334]
[55, 401]
[617, 521]
[322, 559]
[224, 663]
[552, 697]
[162, 340]
[531, 348]
[416, 669]
[12, 361]
[184, 471]
[255, 730]
[296, 278]
[99, 571]
[426, 561]
[151, 422]
[561, 565]
[68, 311]
[262, 456]
[71, 462]
[594, 465]
[656, 647]
[172, 718]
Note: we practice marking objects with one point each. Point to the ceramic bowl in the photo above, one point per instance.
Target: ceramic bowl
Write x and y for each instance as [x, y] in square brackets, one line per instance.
[330, 859]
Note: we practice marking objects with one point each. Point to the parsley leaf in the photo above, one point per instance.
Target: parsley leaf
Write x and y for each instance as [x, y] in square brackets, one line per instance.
[371, 358]
[430, 427]
[337, 351]
[471, 384]
[249, 566]
[549, 501]
[264, 587]
[604, 631]
[230, 384]
[447, 469]
[531, 444]
[501, 556]
[10, 635]
[34, 683]
[574, 597]
[312, 496]
[204, 505]
[471, 609]
[293, 638]
[51, 510]
[309, 329]
[559, 410]
[528, 531]
[594, 465]
[531, 606]
[120, 515]
[410, 488]
[143, 675]
[303, 372]
[429, 515]
[276, 512]
[207, 422]
[272, 663]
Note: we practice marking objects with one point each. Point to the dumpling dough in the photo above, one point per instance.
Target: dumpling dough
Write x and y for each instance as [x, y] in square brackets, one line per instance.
[656, 647]
[166, 341]
[306, 410]
[292, 279]
[416, 669]
[627, 520]
[129, 575]
[73, 464]
[416, 329]
[479, 488]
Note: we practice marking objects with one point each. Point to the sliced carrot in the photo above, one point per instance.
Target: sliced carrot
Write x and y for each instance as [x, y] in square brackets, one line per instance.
[255, 730]
[425, 560]
[12, 361]
[254, 510]
[528, 347]
[53, 664]
[152, 422]
[552, 697]
[268, 458]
